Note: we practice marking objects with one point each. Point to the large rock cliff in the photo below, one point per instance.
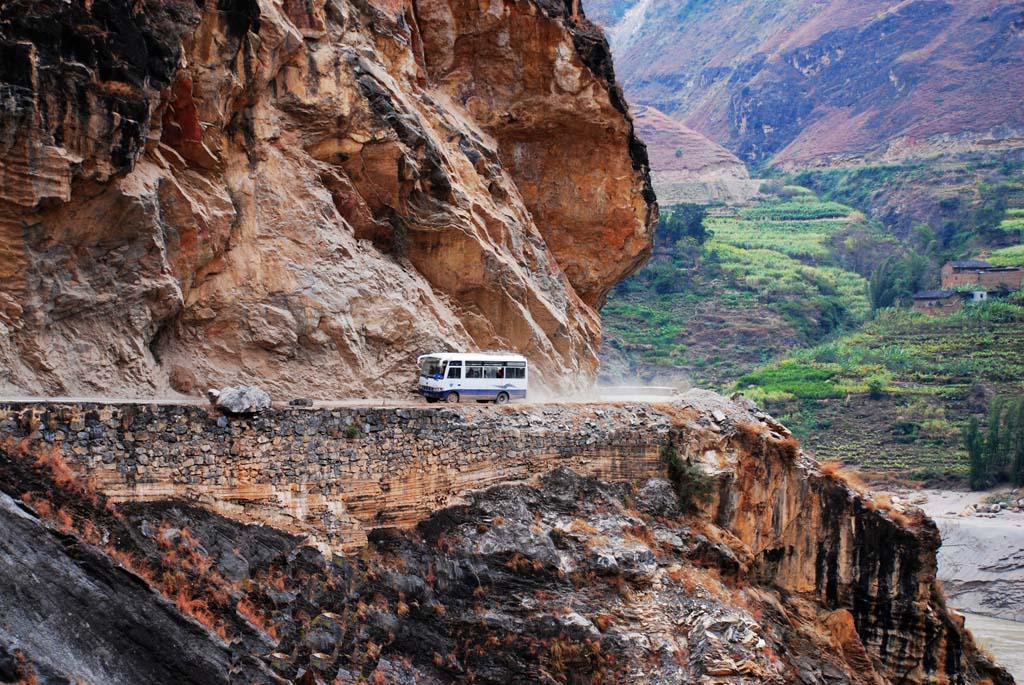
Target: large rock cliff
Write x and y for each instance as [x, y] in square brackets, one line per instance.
[307, 194]
[579, 563]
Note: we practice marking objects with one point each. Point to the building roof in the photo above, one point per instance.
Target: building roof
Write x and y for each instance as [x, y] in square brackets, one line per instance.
[489, 356]
[972, 264]
[934, 294]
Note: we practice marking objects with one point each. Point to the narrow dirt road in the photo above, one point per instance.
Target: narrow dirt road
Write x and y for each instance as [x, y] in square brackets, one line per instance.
[638, 397]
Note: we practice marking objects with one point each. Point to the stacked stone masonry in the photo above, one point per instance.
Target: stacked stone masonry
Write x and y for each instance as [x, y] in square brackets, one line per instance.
[992, 277]
[335, 473]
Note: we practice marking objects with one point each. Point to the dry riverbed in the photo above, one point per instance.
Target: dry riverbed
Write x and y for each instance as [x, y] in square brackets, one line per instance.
[981, 562]
[981, 565]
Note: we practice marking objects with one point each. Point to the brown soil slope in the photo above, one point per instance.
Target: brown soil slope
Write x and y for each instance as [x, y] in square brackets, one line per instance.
[687, 166]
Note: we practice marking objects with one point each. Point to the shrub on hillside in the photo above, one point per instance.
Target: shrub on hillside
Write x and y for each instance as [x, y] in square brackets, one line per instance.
[692, 485]
[896, 280]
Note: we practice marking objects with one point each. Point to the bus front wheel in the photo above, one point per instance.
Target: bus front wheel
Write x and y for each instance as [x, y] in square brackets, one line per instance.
[502, 398]
[451, 398]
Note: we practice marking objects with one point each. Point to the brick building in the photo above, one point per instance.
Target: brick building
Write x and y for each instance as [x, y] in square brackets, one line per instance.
[978, 273]
[938, 302]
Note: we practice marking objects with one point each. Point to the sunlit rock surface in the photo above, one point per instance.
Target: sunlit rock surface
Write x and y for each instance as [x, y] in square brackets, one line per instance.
[306, 195]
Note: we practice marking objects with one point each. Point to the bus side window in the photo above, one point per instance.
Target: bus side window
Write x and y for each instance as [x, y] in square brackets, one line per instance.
[454, 372]
[473, 372]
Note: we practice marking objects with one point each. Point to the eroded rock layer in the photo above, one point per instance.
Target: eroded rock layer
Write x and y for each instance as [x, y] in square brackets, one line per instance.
[306, 194]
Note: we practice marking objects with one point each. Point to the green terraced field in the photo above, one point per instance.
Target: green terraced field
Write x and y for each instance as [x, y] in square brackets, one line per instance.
[1008, 256]
[768, 282]
[775, 304]
[804, 240]
[894, 396]
[798, 209]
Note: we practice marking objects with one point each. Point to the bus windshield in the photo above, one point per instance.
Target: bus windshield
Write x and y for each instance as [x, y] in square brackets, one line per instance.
[431, 366]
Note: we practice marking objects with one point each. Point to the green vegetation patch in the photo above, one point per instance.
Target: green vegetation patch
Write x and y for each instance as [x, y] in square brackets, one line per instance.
[796, 209]
[1014, 225]
[806, 240]
[727, 292]
[912, 350]
[1008, 256]
[895, 395]
[642, 324]
[793, 378]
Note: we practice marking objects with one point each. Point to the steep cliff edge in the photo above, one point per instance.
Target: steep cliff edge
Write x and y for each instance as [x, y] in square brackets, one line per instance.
[576, 565]
[306, 194]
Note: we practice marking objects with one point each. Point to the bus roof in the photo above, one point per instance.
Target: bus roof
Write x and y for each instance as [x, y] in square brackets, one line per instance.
[488, 356]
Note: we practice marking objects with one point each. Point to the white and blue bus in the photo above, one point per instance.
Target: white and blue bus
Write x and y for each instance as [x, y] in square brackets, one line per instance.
[480, 376]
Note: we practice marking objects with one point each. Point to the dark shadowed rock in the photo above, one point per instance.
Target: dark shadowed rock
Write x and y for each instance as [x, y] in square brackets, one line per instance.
[75, 614]
[657, 498]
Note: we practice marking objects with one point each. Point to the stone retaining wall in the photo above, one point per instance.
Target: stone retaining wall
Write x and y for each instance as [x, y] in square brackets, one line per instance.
[336, 473]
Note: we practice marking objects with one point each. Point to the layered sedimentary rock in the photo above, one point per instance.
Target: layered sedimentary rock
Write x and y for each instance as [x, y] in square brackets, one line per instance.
[306, 194]
[783, 574]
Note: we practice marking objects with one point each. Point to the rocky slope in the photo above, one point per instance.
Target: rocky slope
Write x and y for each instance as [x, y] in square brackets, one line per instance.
[800, 82]
[306, 194]
[783, 574]
[688, 167]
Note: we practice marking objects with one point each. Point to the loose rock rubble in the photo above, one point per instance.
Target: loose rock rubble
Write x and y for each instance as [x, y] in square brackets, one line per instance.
[241, 399]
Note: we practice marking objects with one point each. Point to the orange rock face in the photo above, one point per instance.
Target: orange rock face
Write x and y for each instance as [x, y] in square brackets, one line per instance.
[555, 125]
[307, 195]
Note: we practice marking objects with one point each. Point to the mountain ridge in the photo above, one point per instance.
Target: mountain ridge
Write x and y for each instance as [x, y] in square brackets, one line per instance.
[798, 84]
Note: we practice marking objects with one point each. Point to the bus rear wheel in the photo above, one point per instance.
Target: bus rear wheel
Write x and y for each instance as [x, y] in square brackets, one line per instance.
[452, 398]
[502, 398]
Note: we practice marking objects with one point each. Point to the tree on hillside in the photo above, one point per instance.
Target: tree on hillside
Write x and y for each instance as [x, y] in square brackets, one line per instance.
[681, 230]
[977, 225]
[975, 445]
[896, 280]
[1017, 451]
[999, 455]
[861, 249]
[682, 221]
[991, 209]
